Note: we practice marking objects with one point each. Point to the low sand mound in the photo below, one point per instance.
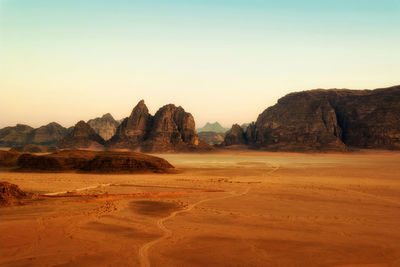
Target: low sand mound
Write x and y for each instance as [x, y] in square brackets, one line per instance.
[10, 194]
[94, 162]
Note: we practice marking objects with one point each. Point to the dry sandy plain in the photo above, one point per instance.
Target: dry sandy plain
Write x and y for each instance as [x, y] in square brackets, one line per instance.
[228, 209]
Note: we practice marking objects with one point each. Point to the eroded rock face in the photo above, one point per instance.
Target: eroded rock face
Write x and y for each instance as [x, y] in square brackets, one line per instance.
[81, 136]
[104, 126]
[133, 130]
[14, 135]
[20, 135]
[47, 135]
[235, 136]
[320, 120]
[170, 129]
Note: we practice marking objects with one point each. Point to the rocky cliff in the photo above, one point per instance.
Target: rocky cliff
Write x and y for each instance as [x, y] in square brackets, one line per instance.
[14, 135]
[104, 126]
[49, 134]
[21, 135]
[170, 129]
[335, 119]
[81, 136]
[235, 136]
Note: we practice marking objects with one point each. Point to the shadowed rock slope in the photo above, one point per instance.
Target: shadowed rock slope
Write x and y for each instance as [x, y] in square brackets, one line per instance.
[81, 136]
[170, 129]
[20, 135]
[326, 120]
[93, 162]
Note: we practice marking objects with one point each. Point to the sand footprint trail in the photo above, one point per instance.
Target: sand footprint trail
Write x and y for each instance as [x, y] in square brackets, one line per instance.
[143, 251]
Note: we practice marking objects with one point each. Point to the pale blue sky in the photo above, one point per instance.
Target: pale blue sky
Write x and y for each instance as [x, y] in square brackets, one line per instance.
[222, 61]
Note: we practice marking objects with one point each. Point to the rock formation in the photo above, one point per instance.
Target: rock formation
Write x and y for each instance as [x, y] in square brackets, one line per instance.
[235, 136]
[212, 127]
[82, 136]
[48, 135]
[211, 138]
[321, 120]
[21, 135]
[12, 136]
[94, 162]
[104, 126]
[170, 129]
[10, 194]
[133, 130]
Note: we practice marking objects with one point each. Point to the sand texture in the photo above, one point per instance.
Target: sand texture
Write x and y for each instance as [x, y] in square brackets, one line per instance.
[221, 209]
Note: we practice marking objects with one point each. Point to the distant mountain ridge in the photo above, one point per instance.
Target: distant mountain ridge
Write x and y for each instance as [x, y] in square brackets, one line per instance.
[212, 127]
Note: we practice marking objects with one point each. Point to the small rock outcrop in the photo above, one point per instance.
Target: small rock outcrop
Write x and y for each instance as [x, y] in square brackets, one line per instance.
[104, 126]
[81, 136]
[170, 129]
[235, 136]
[10, 194]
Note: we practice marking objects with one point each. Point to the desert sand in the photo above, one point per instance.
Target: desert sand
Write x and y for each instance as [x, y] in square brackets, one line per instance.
[221, 209]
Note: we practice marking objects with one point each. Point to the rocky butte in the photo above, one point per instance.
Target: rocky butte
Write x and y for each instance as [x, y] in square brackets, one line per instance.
[170, 129]
[327, 120]
[81, 136]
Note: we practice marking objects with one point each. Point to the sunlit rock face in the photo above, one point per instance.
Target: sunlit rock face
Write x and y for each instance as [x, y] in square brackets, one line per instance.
[104, 126]
[320, 120]
[170, 129]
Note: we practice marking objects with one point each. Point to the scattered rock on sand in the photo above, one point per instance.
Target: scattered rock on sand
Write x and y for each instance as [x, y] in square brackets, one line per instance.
[10, 194]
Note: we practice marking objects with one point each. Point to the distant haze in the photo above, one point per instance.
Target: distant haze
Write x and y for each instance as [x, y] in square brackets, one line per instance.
[221, 60]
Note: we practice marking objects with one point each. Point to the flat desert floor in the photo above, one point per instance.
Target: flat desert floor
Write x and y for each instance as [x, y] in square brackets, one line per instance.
[227, 209]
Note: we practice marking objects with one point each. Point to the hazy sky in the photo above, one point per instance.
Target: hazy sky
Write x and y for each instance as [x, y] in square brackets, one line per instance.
[222, 61]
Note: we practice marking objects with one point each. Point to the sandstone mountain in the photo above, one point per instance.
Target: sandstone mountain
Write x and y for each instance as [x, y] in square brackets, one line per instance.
[335, 119]
[212, 127]
[211, 138]
[170, 129]
[81, 136]
[48, 134]
[14, 135]
[21, 135]
[104, 126]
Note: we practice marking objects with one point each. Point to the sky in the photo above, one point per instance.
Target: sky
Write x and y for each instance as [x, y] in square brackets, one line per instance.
[221, 60]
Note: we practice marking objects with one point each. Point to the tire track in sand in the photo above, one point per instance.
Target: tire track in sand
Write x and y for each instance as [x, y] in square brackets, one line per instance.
[144, 250]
